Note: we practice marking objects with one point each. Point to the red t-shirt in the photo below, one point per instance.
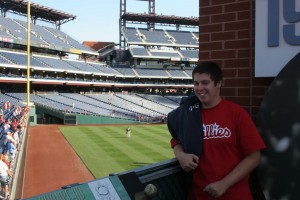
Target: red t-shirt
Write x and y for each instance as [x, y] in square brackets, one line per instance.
[229, 136]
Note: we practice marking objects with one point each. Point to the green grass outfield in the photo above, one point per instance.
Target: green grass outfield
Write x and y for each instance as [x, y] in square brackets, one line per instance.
[106, 149]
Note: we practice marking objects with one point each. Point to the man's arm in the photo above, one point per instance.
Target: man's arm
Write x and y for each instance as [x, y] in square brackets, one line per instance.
[244, 168]
[188, 162]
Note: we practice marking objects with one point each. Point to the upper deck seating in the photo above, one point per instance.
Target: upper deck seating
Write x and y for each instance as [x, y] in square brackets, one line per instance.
[81, 65]
[4, 32]
[189, 72]
[57, 63]
[165, 54]
[177, 73]
[19, 32]
[183, 37]
[104, 69]
[125, 70]
[50, 38]
[21, 59]
[131, 35]
[152, 72]
[190, 53]
[68, 39]
[143, 52]
[155, 36]
[40, 34]
[4, 60]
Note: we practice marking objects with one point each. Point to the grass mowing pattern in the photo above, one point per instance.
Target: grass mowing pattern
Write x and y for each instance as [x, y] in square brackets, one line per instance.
[106, 149]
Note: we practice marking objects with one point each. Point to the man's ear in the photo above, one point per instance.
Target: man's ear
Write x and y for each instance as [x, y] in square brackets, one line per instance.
[219, 84]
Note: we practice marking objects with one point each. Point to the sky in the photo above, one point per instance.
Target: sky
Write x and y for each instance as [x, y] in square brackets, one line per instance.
[98, 20]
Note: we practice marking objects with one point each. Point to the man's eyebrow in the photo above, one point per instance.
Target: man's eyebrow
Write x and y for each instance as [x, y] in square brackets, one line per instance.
[206, 80]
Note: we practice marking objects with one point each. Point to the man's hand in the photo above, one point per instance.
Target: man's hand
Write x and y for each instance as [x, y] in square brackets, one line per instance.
[216, 189]
[188, 162]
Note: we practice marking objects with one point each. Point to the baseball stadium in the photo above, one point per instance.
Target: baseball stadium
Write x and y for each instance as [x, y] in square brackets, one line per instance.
[89, 120]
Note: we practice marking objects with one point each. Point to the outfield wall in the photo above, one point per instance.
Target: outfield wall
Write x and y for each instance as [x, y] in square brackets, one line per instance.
[48, 115]
[76, 119]
[87, 119]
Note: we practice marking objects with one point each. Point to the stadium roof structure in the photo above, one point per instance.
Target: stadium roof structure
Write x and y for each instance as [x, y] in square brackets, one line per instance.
[151, 19]
[37, 11]
[163, 19]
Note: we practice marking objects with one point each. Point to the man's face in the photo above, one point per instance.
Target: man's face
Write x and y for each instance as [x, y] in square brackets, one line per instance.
[206, 90]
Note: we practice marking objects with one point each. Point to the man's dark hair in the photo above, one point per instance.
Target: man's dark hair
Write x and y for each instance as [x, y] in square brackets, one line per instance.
[210, 68]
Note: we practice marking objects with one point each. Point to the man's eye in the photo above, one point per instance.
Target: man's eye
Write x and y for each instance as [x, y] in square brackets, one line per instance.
[201, 83]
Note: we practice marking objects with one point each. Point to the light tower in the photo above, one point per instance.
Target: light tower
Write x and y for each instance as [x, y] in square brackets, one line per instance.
[122, 22]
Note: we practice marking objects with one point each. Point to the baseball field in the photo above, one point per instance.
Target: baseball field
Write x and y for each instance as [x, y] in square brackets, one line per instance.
[59, 155]
[107, 149]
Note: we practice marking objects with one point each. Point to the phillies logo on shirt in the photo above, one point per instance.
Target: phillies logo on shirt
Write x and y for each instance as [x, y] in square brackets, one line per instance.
[212, 131]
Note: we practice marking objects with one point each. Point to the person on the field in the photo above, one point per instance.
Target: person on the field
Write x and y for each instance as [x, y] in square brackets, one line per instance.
[128, 131]
[214, 139]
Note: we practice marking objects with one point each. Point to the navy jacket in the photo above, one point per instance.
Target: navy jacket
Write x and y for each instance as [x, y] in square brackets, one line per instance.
[185, 125]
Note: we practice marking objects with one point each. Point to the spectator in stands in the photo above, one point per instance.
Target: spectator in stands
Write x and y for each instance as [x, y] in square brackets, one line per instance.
[3, 142]
[5, 175]
[4, 106]
[152, 114]
[67, 109]
[14, 123]
[7, 135]
[6, 125]
[11, 151]
[5, 159]
[141, 102]
[15, 135]
[219, 144]
[2, 120]
[20, 131]
[8, 105]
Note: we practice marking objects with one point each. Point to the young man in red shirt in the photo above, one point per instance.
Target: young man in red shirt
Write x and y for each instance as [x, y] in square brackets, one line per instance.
[229, 141]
